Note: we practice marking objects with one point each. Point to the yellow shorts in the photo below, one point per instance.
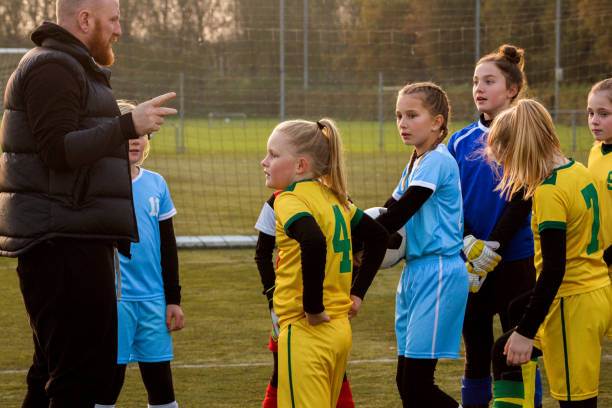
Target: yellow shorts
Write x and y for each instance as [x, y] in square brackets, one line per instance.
[311, 363]
[571, 340]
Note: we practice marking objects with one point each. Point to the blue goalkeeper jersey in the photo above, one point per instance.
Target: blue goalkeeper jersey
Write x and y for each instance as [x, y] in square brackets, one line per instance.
[141, 277]
[437, 227]
[481, 205]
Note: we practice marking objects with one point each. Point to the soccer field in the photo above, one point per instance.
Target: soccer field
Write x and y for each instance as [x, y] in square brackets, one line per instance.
[217, 182]
[221, 357]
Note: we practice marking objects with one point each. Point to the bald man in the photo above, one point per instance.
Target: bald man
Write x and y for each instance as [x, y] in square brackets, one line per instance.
[66, 199]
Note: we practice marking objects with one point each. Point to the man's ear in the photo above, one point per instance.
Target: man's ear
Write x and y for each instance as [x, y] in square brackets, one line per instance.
[302, 165]
[84, 21]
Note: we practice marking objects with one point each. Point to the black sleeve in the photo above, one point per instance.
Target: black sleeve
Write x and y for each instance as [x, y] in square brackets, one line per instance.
[314, 252]
[374, 238]
[511, 220]
[53, 100]
[264, 253]
[607, 256]
[169, 262]
[390, 201]
[400, 212]
[553, 269]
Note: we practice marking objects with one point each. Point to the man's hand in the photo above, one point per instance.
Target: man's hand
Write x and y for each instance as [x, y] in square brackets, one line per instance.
[355, 306]
[481, 254]
[518, 349]
[149, 116]
[175, 320]
[314, 319]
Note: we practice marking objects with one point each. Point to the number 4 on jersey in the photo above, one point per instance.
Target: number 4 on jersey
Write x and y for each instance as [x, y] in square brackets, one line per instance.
[341, 241]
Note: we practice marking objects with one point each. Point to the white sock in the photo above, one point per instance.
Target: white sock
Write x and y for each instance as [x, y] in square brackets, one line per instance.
[173, 404]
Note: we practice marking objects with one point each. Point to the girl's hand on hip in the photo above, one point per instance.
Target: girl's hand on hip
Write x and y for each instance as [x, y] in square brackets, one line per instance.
[318, 318]
[355, 306]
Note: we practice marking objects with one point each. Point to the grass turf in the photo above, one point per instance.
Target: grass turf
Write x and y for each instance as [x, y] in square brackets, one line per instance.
[221, 357]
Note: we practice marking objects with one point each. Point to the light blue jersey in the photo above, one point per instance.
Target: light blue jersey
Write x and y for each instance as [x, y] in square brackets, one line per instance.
[432, 291]
[437, 227]
[141, 277]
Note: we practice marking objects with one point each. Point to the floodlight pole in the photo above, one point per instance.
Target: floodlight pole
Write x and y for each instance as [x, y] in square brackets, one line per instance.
[282, 60]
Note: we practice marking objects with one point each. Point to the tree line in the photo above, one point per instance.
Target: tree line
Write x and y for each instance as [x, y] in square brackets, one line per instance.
[229, 50]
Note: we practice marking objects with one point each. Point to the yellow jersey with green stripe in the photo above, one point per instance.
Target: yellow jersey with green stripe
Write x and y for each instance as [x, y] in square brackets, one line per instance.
[568, 200]
[309, 198]
[600, 166]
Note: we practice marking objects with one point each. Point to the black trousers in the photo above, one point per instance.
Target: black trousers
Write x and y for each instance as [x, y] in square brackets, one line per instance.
[68, 288]
[505, 283]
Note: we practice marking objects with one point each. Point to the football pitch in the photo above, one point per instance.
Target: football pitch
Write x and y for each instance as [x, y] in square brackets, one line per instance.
[217, 184]
[221, 357]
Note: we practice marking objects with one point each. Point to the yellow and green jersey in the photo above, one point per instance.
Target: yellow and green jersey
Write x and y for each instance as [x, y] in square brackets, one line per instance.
[568, 200]
[600, 166]
[309, 198]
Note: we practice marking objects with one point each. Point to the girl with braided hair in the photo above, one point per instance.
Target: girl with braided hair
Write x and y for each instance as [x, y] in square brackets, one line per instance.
[433, 288]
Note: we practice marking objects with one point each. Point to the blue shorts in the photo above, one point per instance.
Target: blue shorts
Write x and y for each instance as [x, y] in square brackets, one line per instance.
[429, 307]
[143, 335]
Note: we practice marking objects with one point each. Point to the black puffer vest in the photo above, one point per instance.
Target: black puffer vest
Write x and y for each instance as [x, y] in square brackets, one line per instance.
[37, 202]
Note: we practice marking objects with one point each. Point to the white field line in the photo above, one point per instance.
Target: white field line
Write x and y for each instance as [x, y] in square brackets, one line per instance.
[228, 365]
[191, 366]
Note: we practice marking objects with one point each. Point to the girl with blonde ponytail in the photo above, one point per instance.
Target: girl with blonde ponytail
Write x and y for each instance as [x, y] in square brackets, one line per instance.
[315, 224]
[569, 311]
[433, 288]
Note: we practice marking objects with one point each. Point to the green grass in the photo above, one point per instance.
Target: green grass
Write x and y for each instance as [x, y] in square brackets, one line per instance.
[217, 183]
[227, 324]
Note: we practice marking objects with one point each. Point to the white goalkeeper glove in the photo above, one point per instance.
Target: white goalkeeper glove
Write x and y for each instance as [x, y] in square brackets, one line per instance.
[475, 280]
[275, 328]
[481, 255]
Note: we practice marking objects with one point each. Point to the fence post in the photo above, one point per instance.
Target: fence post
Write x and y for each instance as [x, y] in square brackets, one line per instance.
[305, 44]
[574, 132]
[558, 69]
[380, 111]
[282, 60]
[477, 29]
[180, 147]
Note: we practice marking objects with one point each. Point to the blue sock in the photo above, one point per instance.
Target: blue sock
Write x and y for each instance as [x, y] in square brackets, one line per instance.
[538, 389]
[476, 391]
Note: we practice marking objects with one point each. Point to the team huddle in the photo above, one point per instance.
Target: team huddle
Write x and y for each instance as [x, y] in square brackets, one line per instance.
[498, 221]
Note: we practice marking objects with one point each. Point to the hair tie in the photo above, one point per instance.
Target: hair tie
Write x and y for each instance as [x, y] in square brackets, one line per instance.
[320, 125]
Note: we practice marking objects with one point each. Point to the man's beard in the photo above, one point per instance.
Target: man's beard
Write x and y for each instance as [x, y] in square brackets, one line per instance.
[100, 49]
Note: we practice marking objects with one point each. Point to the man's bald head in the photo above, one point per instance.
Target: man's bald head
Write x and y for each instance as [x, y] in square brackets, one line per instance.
[67, 10]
